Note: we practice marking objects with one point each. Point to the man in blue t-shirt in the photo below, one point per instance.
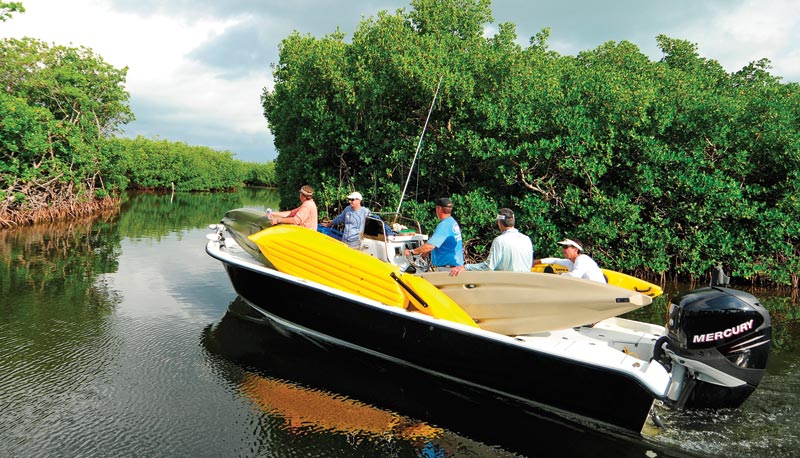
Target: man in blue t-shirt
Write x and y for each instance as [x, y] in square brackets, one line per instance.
[445, 245]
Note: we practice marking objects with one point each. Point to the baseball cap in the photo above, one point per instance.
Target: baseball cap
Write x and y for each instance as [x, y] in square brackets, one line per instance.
[444, 202]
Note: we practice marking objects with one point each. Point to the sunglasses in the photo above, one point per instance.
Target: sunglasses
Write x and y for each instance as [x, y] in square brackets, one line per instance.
[351, 200]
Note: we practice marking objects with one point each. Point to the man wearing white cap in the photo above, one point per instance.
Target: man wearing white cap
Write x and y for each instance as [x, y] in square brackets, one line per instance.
[353, 218]
[579, 265]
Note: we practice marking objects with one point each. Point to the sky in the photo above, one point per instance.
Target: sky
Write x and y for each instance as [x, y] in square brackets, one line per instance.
[197, 68]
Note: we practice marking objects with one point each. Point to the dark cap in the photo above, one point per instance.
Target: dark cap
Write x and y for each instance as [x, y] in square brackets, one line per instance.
[444, 202]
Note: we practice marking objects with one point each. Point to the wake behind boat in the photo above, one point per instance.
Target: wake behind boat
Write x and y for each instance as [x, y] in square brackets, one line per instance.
[712, 354]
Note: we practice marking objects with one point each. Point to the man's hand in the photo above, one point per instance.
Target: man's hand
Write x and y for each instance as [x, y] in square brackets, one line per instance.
[456, 270]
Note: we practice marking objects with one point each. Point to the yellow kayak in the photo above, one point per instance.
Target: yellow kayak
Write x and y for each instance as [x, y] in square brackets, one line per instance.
[613, 277]
[317, 257]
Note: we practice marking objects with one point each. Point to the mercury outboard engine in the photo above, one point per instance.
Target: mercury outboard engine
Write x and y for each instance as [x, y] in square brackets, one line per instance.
[717, 344]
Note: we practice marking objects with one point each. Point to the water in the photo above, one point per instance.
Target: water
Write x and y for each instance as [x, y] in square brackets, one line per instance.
[119, 336]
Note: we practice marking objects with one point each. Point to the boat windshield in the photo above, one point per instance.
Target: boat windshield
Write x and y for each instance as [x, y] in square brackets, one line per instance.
[387, 224]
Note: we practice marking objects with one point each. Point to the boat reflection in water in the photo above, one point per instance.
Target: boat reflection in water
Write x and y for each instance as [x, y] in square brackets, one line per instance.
[305, 409]
[316, 393]
[290, 379]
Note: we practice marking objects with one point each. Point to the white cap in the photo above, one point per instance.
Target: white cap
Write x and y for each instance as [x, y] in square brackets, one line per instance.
[355, 195]
[568, 242]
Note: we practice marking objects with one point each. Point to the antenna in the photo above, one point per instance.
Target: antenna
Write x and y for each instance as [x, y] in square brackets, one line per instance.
[419, 144]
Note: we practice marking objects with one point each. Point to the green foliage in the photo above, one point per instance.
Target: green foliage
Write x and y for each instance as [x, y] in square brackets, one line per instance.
[661, 167]
[259, 174]
[160, 164]
[7, 8]
[785, 316]
[57, 106]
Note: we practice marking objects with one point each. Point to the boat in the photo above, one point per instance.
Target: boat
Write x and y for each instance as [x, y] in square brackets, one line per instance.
[712, 353]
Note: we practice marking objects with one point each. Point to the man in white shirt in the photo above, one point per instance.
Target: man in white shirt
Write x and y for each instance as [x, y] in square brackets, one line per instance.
[511, 250]
[579, 265]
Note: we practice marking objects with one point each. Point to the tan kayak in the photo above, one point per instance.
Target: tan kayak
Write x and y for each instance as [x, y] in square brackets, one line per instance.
[515, 303]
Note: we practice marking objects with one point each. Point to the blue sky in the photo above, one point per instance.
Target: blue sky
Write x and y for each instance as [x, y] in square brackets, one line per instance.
[197, 68]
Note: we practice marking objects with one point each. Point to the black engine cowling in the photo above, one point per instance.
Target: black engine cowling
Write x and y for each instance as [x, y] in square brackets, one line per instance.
[723, 337]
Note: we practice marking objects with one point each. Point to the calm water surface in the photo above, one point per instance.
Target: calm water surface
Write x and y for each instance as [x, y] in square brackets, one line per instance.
[119, 336]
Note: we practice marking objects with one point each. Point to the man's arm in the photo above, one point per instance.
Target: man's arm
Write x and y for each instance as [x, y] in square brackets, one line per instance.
[426, 248]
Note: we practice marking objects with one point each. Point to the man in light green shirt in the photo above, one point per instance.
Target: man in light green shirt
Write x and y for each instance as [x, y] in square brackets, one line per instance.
[511, 250]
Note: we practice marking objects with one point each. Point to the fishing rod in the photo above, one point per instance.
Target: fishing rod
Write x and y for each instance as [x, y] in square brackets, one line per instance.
[419, 144]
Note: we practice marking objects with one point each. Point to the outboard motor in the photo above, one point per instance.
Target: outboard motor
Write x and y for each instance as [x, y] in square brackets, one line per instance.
[718, 341]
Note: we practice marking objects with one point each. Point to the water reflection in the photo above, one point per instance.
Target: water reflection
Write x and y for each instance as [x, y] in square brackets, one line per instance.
[307, 410]
[154, 215]
[54, 317]
[298, 417]
[55, 271]
[307, 383]
[94, 349]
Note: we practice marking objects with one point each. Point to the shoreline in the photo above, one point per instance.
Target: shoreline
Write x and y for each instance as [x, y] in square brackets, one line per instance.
[65, 211]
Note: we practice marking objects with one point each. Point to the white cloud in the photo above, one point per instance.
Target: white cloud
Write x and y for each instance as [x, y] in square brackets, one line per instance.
[151, 46]
[198, 96]
[739, 34]
[758, 23]
[155, 49]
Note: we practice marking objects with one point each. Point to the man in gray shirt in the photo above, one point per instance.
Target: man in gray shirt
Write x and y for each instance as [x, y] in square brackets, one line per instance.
[353, 218]
[511, 250]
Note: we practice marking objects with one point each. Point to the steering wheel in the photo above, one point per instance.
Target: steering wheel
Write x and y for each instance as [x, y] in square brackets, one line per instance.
[418, 262]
